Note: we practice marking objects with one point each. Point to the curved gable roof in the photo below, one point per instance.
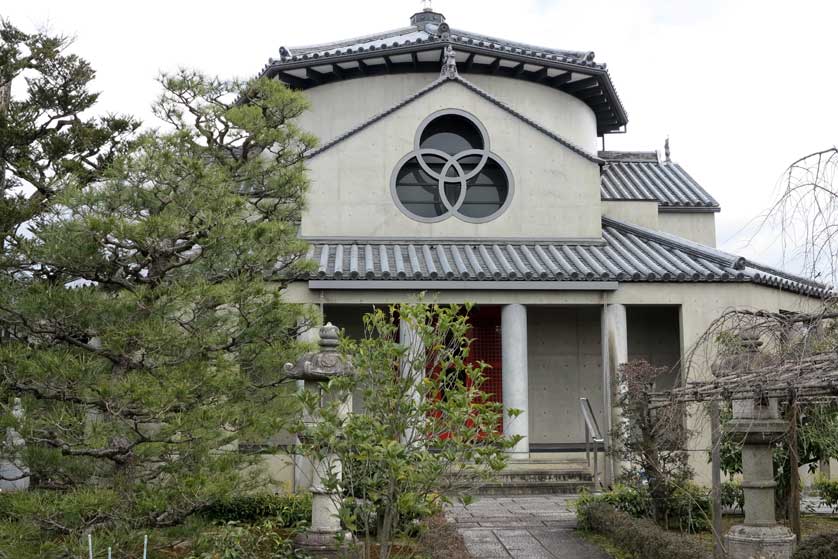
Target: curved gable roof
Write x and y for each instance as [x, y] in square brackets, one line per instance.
[420, 48]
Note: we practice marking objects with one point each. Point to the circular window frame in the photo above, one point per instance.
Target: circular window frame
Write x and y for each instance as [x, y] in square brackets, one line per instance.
[488, 154]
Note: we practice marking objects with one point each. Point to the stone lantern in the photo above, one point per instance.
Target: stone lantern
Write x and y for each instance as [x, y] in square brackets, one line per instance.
[756, 424]
[13, 475]
[315, 369]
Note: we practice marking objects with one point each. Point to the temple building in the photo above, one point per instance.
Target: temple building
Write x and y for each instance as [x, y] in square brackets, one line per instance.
[468, 167]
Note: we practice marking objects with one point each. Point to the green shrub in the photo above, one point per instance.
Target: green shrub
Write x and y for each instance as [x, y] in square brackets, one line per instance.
[263, 540]
[636, 502]
[638, 536]
[827, 490]
[285, 510]
[686, 507]
[822, 546]
[733, 496]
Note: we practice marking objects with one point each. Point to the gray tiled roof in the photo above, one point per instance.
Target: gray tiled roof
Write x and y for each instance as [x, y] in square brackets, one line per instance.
[627, 254]
[641, 176]
[407, 36]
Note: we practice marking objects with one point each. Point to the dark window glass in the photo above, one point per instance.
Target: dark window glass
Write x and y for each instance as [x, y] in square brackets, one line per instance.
[417, 191]
[451, 134]
[419, 181]
[486, 192]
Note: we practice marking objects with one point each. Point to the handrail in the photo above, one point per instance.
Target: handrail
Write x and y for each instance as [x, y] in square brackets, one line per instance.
[592, 434]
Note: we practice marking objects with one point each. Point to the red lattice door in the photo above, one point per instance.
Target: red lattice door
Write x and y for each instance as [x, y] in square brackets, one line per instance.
[486, 347]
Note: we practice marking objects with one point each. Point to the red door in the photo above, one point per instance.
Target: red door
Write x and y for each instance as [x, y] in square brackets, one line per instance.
[486, 347]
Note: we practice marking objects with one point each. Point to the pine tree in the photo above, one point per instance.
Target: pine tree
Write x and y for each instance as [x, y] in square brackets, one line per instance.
[146, 329]
[46, 134]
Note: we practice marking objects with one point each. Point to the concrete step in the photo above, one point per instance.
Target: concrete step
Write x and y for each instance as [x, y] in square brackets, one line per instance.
[517, 481]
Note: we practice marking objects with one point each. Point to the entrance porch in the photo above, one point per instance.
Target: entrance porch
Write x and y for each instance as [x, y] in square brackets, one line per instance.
[543, 359]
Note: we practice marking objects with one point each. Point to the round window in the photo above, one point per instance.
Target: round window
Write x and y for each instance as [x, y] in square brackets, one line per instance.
[451, 171]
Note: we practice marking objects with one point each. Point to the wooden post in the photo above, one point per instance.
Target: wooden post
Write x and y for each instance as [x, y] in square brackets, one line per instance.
[794, 466]
[715, 454]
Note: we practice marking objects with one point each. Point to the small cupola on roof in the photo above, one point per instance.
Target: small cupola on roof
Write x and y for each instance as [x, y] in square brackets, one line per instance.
[427, 18]
[422, 48]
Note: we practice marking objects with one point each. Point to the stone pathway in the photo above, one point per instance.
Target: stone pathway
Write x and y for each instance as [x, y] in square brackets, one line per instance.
[527, 527]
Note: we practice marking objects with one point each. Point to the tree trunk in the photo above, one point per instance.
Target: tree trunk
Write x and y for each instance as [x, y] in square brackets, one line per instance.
[794, 473]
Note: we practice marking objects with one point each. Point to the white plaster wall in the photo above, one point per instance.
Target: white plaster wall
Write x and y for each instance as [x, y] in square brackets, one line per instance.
[698, 227]
[339, 106]
[556, 191]
[640, 213]
[557, 111]
[565, 364]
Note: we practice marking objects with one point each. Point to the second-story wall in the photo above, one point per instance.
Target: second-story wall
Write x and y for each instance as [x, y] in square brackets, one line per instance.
[556, 190]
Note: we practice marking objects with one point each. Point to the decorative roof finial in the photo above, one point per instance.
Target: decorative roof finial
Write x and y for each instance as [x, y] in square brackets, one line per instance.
[666, 150]
[426, 6]
[449, 64]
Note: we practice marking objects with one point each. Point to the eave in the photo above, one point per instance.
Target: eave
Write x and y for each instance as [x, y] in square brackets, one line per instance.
[588, 82]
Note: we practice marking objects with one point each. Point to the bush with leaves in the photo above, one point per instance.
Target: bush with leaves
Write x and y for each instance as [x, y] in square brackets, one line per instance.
[427, 432]
[638, 536]
[733, 495]
[650, 444]
[821, 546]
[827, 491]
[265, 539]
[285, 510]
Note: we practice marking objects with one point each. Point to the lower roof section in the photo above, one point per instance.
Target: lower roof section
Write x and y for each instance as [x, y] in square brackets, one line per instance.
[627, 253]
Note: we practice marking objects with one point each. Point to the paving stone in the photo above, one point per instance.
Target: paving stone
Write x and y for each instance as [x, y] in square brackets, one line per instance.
[526, 527]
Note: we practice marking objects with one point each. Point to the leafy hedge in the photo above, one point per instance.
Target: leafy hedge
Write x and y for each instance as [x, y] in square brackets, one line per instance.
[638, 536]
[822, 546]
[827, 490]
[686, 507]
[733, 496]
[288, 511]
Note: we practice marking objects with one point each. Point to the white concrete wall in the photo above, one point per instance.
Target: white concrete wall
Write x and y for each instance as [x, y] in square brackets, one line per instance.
[556, 191]
[565, 364]
[339, 106]
[640, 213]
[698, 227]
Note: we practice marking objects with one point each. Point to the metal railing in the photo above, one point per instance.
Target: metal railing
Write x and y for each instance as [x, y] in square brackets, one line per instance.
[592, 435]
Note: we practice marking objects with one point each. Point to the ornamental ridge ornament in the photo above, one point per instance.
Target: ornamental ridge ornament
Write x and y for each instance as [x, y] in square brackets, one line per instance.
[449, 66]
[451, 170]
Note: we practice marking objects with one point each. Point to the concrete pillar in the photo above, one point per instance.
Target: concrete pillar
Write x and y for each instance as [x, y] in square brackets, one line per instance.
[615, 338]
[515, 377]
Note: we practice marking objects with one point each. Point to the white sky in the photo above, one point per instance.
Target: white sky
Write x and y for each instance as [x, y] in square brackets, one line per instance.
[742, 87]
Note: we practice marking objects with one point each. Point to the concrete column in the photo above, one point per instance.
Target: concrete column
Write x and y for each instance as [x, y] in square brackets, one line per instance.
[515, 377]
[615, 354]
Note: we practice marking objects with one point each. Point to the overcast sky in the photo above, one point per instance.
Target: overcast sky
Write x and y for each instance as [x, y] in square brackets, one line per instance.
[742, 87]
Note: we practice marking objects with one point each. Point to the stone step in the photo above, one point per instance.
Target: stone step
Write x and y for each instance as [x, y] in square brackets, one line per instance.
[514, 481]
